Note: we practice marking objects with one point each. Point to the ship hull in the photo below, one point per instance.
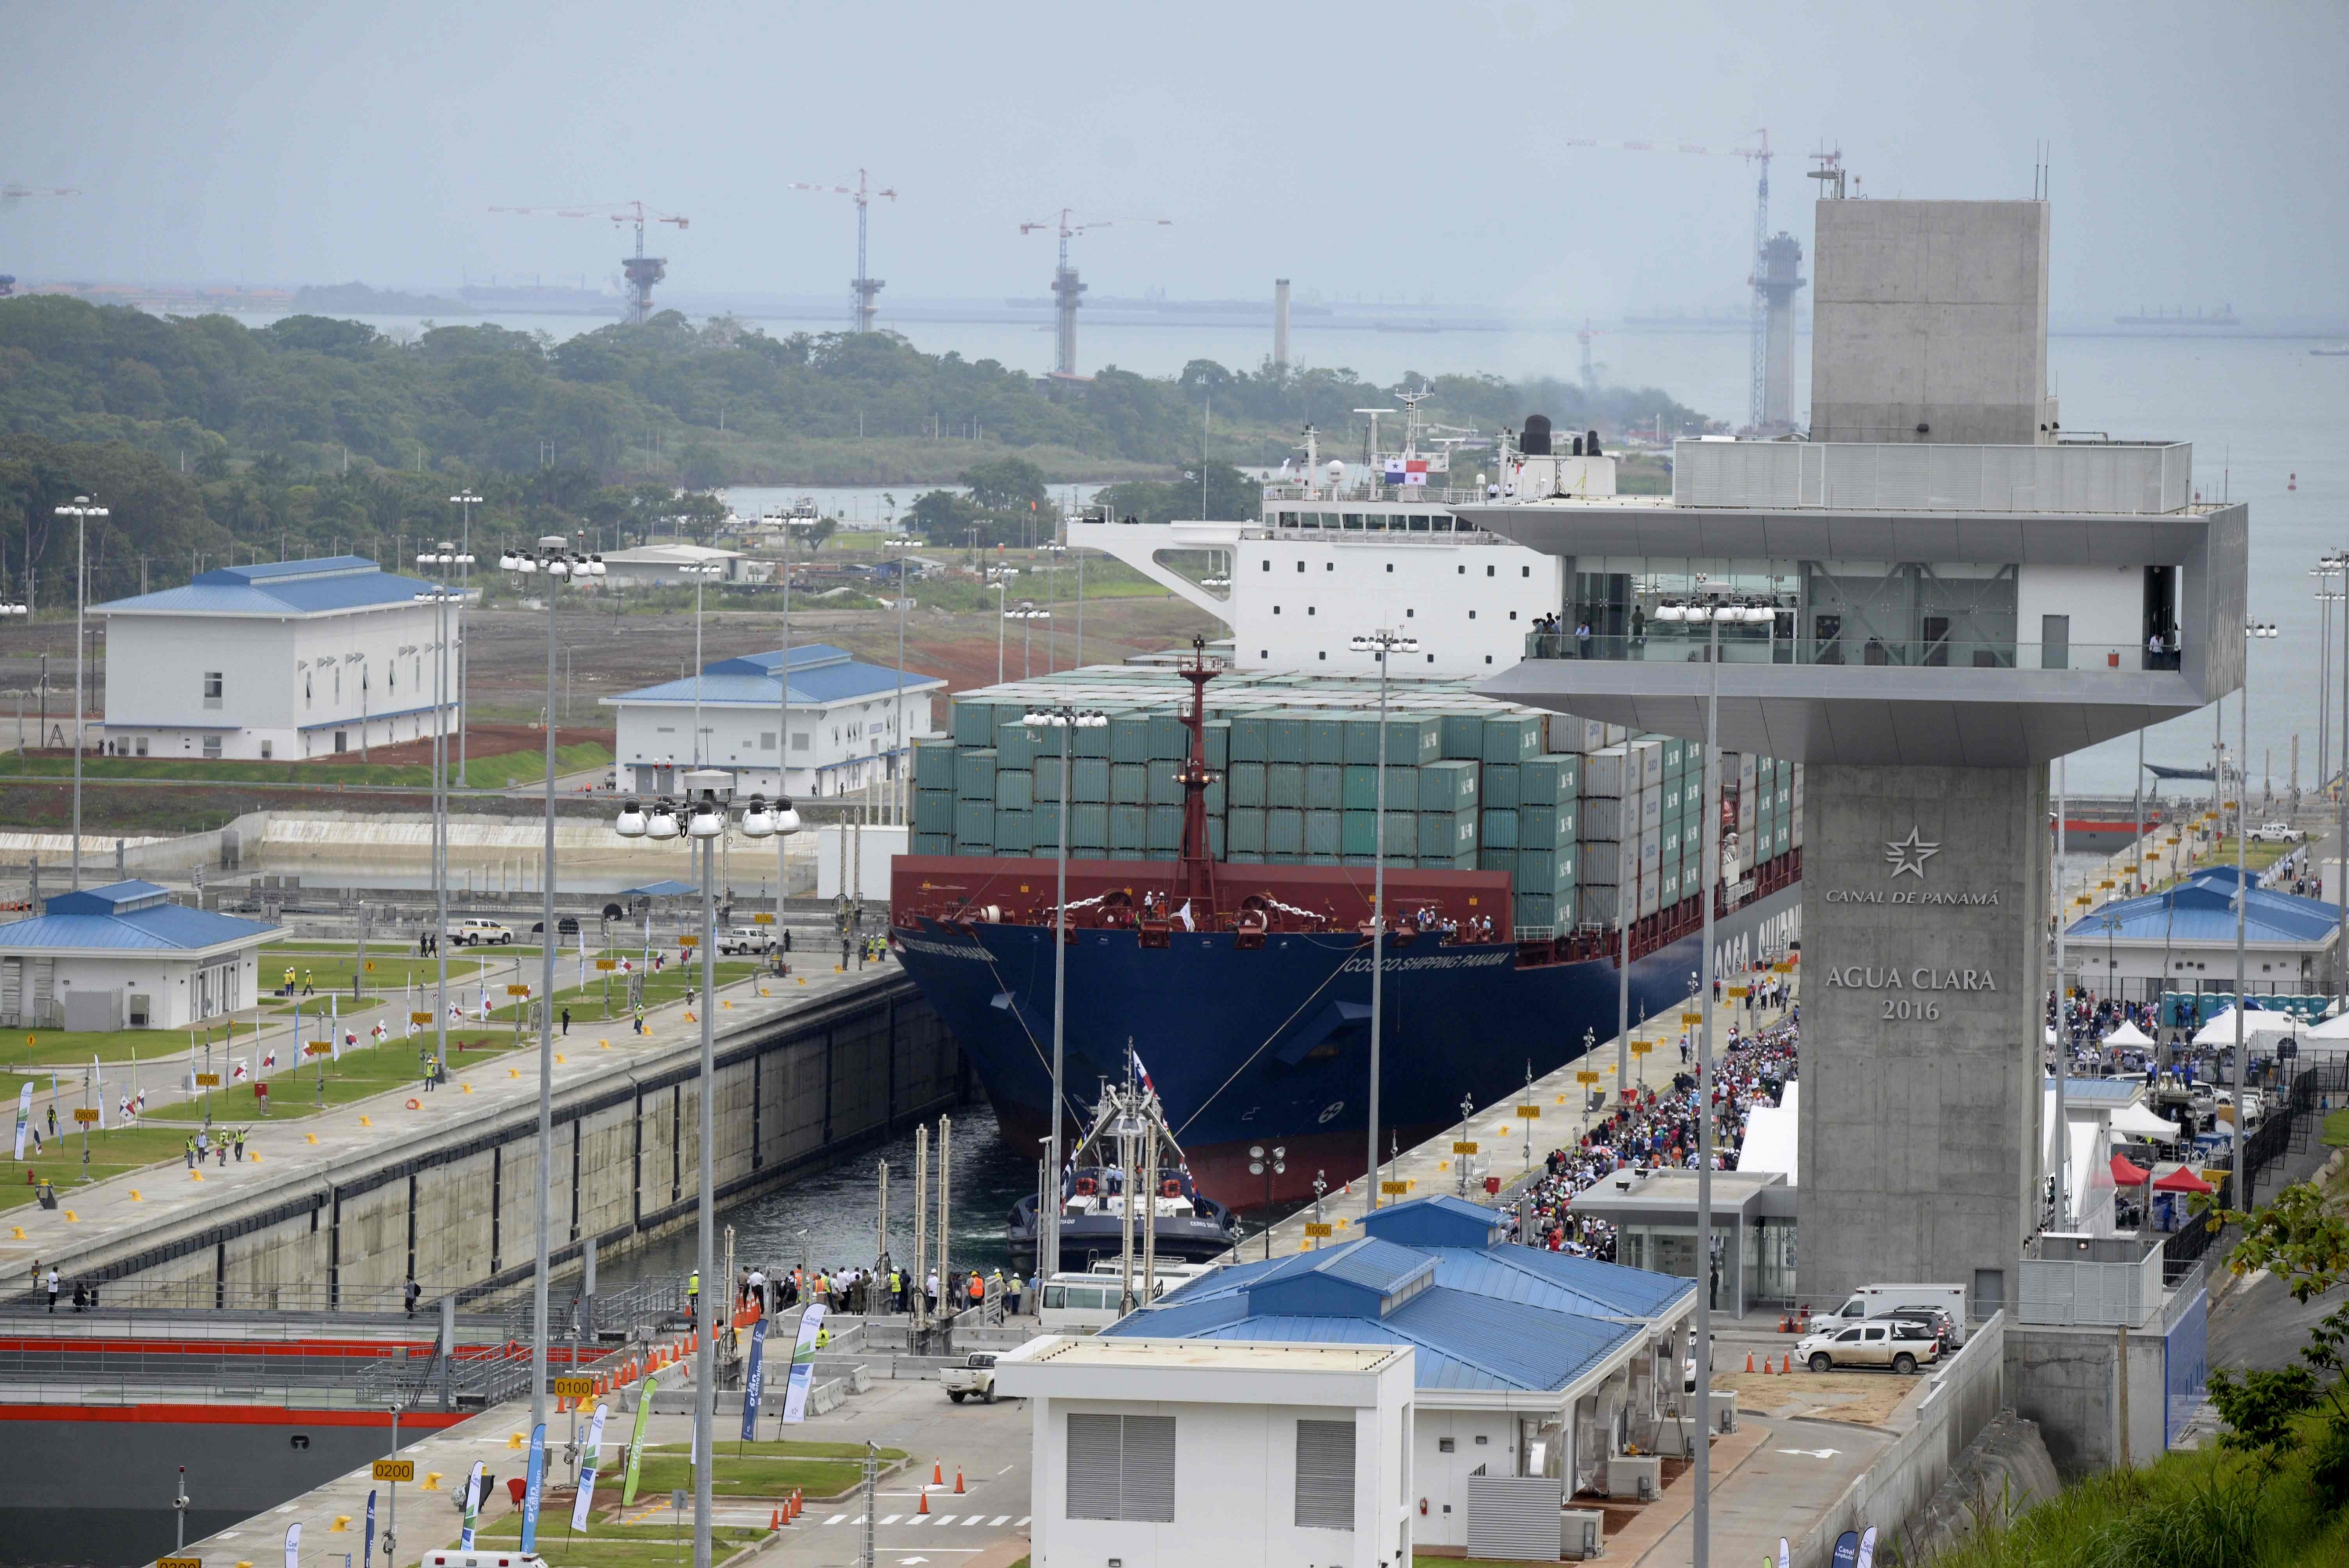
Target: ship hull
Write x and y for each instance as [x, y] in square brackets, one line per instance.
[1270, 1045]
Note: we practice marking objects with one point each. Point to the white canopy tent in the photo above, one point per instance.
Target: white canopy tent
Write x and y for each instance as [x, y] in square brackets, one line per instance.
[2257, 1026]
[2137, 1120]
[2129, 1038]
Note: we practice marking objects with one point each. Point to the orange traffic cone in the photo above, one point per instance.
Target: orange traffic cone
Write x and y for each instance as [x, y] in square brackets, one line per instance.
[957, 1480]
[938, 1472]
[775, 1520]
[799, 1501]
[925, 1502]
[1768, 1370]
[1789, 1366]
[1749, 1361]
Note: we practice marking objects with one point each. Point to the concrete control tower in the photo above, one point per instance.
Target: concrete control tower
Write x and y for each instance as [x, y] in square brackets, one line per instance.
[1958, 599]
[1782, 269]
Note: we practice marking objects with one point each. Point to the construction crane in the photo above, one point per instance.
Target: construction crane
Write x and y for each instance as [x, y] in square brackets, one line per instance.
[1760, 279]
[1066, 289]
[641, 270]
[862, 288]
[10, 195]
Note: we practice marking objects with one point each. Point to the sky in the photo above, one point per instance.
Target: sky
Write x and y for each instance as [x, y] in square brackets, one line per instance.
[1370, 149]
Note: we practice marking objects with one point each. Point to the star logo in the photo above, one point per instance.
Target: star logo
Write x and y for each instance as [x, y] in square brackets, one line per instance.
[1909, 854]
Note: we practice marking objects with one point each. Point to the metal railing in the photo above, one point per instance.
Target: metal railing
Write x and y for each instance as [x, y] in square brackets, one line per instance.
[1666, 644]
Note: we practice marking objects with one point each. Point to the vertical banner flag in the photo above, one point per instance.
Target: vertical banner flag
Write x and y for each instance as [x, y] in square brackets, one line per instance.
[753, 1381]
[24, 1117]
[472, 1508]
[98, 1080]
[636, 1440]
[367, 1557]
[533, 1491]
[1785, 1556]
[294, 1546]
[587, 1470]
[1847, 1550]
[1868, 1548]
[795, 1393]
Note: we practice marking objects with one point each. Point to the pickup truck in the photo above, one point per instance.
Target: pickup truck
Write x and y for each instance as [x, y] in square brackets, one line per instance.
[1879, 1343]
[756, 939]
[974, 1378]
[2275, 833]
[477, 933]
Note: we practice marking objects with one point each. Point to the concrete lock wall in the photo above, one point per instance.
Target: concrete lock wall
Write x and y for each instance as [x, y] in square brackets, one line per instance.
[1924, 899]
[455, 1208]
[2077, 1382]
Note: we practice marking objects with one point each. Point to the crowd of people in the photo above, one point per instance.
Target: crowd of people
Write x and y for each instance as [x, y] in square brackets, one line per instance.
[854, 1289]
[1658, 1128]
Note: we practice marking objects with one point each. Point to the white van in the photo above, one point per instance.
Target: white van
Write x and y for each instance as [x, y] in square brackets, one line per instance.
[1875, 1300]
[1088, 1303]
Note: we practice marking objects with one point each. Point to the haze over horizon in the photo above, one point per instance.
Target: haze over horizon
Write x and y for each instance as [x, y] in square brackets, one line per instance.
[1378, 149]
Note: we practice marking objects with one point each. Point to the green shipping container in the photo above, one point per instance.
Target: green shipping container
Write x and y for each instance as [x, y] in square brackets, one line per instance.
[1548, 780]
[1244, 830]
[1165, 829]
[1088, 781]
[934, 765]
[1128, 784]
[1013, 831]
[1094, 742]
[1498, 829]
[1543, 827]
[975, 774]
[1535, 909]
[1015, 746]
[1044, 829]
[1089, 826]
[1164, 789]
[1361, 789]
[1129, 827]
[1414, 742]
[1514, 737]
[1463, 737]
[1284, 785]
[1325, 739]
[1500, 784]
[1245, 784]
[1129, 737]
[1284, 831]
[974, 725]
[1325, 788]
[1168, 738]
[1448, 786]
[934, 811]
[1492, 860]
[1014, 791]
[933, 843]
[1218, 737]
[974, 823]
[1244, 857]
[1443, 835]
[1290, 740]
[1251, 738]
[1322, 832]
[1362, 742]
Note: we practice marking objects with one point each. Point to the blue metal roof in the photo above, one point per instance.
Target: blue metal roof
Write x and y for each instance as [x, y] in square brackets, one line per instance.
[669, 889]
[278, 588]
[114, 898]
[1560, 1281]
[2202, 909]
[1440, 1220]
[1465, 1341]
[821, 672]
[162, 927]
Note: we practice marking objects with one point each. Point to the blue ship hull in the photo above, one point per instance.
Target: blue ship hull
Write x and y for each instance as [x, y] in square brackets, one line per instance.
[1271, 1045]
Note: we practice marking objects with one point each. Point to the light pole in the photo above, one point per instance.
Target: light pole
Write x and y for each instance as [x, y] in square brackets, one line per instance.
[2327, 567]
[2339, 562]
[1028, 614]
[463, 561]
[701, 571]
[441, 596]
[1381, 645]
[785, 521]
[1001, 576]
[1709, 608]
[1053, 554]
[554, 561]
[1048, 1218]
[81, 511]
[904, 741]
[2253, 631]
[704, 825]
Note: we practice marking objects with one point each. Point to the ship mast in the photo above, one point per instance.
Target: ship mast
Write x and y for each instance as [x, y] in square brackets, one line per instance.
[1195, 876]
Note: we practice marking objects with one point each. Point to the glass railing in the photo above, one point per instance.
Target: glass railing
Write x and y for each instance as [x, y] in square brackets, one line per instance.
[1744, 648]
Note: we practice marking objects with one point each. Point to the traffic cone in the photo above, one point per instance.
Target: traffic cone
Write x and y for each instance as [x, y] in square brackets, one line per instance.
[1749, 1361]
[1768, 1370]
[938, 1472]
[775, 1520]
[925, 1503]
[957, 1480]
[1789, 1366]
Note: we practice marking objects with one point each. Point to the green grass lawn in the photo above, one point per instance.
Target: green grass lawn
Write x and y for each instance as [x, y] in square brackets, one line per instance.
[754, 1477]
[2337, 1130]
[65, 1048]
[788, 1447]
[117, 1152]
[499, 772]
[606, 1545]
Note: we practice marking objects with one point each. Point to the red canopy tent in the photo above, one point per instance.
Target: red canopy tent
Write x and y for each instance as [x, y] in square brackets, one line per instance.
[2183, 1180]
[2126, 1173]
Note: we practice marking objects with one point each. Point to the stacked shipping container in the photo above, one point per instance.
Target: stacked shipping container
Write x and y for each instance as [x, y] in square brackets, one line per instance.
[1587, 821]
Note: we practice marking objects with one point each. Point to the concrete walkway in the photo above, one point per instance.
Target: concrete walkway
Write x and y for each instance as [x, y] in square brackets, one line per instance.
[290, 1151]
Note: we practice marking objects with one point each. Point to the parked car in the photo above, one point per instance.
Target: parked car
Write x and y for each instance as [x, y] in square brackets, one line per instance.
[755, 939]
[1869, 1344]
[2275, 833]
[1932, 1321]
[974, 1378]
[479, 933]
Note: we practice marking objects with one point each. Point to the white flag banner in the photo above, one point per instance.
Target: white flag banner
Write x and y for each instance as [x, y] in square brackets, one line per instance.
[24, 1117]
[97, 1086]
[586, 1499]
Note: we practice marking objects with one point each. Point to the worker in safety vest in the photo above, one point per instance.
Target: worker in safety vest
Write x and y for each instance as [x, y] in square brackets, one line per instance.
[693, 1293]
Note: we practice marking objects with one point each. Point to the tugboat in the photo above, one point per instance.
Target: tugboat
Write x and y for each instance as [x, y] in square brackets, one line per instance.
[1127, 1151]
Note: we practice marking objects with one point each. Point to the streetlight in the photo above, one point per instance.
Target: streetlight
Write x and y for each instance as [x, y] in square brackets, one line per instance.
[1001, 576]
[703, 824]
[462, 560]
[554, 560]
[2253, 631]
[441, 596]
[1380, 644]
[904, 745]
[81, 511]
[2338, 561]
[1026, 615]
[1064, 719]
[1267, 1166]
[1053, 554]
[786, 522]
[1711, 611]
[701, 571]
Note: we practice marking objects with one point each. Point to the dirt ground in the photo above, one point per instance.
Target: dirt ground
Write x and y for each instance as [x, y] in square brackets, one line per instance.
[1864, 1398]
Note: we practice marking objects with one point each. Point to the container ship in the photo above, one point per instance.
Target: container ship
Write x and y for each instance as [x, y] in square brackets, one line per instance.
[1222, 829]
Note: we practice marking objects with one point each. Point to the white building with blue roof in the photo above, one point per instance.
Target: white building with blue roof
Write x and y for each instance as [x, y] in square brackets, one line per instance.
[284, 660]
[2183, 938]
[1526, 1363]
[125, 956]
[851, 724]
